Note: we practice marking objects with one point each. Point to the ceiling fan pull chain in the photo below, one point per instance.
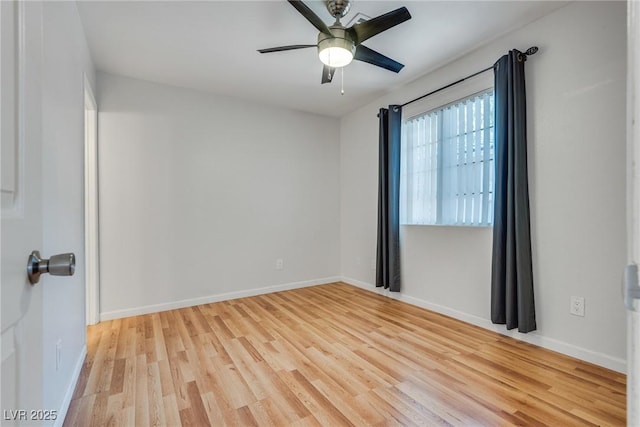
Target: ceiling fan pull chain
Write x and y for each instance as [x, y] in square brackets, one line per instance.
[342, 88]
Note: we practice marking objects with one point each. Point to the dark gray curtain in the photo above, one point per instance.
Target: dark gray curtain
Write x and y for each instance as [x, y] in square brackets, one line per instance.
[388, 254]
[512, 300]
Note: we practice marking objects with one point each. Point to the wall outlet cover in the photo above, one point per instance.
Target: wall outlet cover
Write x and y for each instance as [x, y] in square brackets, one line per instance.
[577, 306]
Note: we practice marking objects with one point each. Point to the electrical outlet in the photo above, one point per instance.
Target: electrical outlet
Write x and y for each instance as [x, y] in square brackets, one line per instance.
[58, 353]
[577, 306]
[279, 264]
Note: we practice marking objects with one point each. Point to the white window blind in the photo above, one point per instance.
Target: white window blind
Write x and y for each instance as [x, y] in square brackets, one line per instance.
[447, 172]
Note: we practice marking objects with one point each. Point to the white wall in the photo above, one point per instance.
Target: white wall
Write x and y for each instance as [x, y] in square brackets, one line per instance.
[576, 129]
[66, 60]
[200, 194]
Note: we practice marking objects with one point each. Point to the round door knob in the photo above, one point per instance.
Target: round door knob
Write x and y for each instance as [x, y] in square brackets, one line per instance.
[57, 265]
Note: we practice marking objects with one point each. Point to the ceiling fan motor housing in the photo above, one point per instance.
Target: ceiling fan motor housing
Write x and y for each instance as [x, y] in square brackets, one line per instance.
[338, 8]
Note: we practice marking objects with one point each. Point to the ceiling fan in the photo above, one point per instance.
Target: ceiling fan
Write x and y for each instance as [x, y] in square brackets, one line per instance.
[338, 45]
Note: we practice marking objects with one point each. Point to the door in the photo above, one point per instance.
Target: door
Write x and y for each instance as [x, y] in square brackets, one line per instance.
[633, 229]
[20, 138]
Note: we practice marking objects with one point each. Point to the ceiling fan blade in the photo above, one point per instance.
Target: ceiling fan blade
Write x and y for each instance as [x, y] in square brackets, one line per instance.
[365, 30]
[327, 74]
[365, 54]
[282, 48]
[311, 17]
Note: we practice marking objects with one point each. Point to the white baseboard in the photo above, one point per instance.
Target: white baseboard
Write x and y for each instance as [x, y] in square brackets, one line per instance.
[137, 311]
[600, 359]
[64, 407]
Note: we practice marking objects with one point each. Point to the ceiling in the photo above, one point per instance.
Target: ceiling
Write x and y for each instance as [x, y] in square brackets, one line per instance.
[211, 45]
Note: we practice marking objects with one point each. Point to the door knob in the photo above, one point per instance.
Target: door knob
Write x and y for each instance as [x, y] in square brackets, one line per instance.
[57, 265]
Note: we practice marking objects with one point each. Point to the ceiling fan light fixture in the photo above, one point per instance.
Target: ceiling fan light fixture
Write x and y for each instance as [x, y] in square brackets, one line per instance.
[336, 51]
[335, 56]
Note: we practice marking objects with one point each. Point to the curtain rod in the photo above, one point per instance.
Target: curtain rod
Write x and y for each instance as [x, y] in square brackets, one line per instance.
[529, 52]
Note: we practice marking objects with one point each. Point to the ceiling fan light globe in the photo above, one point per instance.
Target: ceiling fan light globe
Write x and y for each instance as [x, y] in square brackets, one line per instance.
[335, 56]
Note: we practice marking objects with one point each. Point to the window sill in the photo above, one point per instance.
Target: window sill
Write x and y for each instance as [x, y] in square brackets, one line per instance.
[478, 227]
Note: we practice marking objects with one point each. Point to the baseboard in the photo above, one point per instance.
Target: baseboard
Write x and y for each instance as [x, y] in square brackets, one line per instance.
[600, 359]
[155, 308]
[64, 407]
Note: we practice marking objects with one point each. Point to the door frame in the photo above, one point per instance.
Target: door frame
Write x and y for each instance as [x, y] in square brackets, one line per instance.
[91, 225]
[633, 209]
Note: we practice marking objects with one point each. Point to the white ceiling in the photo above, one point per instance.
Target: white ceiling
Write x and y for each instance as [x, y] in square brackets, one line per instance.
[211, 45]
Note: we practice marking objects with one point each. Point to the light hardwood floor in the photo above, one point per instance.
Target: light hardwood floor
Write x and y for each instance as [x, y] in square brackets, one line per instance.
[329, 355]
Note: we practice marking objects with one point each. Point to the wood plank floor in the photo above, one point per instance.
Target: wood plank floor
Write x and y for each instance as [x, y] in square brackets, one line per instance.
[329, 355]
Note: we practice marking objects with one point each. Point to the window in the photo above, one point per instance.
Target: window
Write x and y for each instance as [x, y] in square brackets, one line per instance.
[447, 172]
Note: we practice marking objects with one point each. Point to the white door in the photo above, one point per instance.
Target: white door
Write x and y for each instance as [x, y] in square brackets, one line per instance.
[633, 184]
[20, 130]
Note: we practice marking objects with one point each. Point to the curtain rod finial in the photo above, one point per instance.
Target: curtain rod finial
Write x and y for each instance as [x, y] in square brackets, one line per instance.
[531, 51]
